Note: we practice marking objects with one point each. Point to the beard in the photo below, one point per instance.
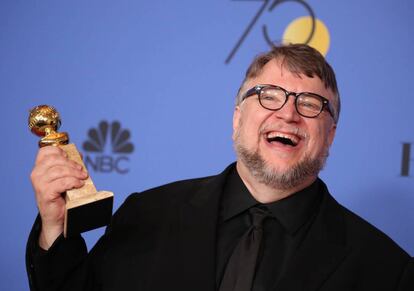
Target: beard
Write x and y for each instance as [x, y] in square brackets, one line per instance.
[281, 180]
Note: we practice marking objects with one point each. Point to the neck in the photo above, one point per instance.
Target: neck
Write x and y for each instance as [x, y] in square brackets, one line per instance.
[264, 193]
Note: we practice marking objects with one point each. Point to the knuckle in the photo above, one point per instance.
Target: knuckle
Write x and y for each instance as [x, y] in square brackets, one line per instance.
[35, 178]
[48, 152]
[54, 160]
[57, 172]
[67, 183]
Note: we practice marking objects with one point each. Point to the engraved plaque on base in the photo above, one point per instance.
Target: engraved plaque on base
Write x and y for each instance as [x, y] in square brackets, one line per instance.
[86, 208]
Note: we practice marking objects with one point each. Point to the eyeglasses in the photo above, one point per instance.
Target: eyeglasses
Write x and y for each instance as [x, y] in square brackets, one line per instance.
[274, 98]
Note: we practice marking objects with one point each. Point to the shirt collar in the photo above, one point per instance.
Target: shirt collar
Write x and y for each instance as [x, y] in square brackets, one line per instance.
[292, 212]
[296, 209]
[236, 197]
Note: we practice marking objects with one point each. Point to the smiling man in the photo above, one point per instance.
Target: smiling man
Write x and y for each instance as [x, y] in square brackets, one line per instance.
[266, 222]
[283, 140]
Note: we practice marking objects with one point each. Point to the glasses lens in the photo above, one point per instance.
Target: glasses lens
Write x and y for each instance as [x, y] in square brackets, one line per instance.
[272, 98]
[309, 105]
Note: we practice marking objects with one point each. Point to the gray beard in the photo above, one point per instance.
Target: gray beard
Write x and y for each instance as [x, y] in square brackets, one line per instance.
[289, 179]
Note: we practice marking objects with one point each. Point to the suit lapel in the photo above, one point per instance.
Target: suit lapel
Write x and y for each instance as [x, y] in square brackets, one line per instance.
[196, 241]
[321, 252]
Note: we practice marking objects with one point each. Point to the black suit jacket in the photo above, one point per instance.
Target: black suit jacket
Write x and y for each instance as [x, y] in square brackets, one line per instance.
[165, 238]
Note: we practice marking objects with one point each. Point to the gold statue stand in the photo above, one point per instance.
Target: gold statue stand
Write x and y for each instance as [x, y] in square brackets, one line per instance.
[86, 208]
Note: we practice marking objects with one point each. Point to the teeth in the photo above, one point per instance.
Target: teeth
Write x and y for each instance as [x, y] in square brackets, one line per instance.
[294, 139]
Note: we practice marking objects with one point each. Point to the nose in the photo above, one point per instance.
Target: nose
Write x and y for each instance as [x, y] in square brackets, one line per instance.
[288, 111]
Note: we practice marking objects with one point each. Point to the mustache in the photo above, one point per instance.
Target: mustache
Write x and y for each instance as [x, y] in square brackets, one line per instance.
[290, 129]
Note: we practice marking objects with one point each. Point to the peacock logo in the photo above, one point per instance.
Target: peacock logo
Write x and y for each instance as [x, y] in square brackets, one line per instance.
[107, 147]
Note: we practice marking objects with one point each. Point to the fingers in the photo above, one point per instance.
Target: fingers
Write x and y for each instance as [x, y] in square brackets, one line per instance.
[44, 152]
[54, 173]
[59, 171]
[53, 159]
[50, 192]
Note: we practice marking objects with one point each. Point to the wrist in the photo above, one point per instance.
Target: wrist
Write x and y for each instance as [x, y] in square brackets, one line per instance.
[48, 235]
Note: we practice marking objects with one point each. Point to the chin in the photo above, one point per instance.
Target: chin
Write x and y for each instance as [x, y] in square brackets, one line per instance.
[271, 173]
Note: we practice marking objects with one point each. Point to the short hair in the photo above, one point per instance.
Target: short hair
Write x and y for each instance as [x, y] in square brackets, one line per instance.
[299, 59]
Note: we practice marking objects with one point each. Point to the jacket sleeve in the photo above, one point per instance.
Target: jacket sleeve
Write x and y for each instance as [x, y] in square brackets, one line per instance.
[67, 265]
[62, 267]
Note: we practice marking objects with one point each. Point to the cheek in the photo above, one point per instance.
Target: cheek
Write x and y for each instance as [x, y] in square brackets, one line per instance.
[244, 131]
[318, 139]
[235, 134]
[249, 122]
[248, 130]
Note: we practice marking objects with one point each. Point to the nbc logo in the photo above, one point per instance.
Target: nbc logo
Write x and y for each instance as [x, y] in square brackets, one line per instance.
[120, 146]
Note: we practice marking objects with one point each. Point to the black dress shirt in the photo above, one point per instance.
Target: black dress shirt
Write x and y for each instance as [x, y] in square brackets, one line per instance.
[284, 230]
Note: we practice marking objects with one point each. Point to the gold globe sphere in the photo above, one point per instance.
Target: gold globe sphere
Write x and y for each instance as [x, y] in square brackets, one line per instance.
[44, 121]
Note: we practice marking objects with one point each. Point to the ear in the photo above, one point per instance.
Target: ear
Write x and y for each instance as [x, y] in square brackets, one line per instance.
[236, 121]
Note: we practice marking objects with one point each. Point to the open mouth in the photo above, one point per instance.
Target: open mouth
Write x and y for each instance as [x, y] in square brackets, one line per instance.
[285, 139]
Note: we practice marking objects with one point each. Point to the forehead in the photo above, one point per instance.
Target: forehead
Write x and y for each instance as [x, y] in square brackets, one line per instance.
[275, 73]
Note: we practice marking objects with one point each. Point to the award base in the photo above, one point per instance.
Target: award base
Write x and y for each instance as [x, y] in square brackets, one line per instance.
[89, 213]
[86, 209]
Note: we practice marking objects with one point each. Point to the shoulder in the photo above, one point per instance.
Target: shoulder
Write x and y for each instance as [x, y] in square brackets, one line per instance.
[177, 192]
[361, 236]
[163, 202]
[159, 200]
[174, 192]
[372, 257]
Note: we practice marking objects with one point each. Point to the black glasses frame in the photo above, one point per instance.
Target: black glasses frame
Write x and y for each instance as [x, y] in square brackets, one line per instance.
[257, 90]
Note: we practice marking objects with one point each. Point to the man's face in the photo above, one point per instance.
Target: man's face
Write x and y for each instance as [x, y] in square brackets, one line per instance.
[282, 143]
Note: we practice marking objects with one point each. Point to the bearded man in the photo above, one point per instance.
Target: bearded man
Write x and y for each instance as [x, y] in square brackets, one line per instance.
[266, 222]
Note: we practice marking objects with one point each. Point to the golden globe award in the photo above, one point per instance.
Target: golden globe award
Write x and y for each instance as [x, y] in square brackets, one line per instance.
[86, 208]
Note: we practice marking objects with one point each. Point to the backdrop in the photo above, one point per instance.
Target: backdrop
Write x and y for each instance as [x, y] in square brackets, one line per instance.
[162, 75]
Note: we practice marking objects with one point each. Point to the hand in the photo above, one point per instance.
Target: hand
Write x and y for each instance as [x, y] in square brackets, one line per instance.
[53, 174]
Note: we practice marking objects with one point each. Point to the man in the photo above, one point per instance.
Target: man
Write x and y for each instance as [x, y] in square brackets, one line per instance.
[266, 222]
